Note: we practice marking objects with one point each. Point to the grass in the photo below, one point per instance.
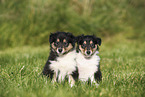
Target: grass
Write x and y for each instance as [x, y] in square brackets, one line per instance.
[122, 65]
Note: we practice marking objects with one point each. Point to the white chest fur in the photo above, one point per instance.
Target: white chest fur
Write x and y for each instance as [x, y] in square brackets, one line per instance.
[65, 64]
[87, 67]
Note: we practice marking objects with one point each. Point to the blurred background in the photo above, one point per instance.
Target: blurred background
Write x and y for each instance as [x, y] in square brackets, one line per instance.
[29, 22]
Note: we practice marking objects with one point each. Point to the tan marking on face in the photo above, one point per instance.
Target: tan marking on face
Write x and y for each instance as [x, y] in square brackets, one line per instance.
[91, 42]
[69, 47]
[53, 46]
[85, 49]
[58, 40]
[64, 40]
[94, 49]
[82, 50]
[85, 42]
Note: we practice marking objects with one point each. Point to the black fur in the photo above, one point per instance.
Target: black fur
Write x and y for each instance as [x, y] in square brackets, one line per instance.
[47, 71]
[98, 75]
[75, 74]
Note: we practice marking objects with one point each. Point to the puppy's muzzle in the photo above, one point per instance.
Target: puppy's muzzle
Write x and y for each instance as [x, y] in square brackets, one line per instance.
[88, 52]
[60, 50]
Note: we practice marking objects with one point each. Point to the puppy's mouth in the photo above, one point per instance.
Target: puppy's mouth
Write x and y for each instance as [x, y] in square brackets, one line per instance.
[87, 57]
[88, 54]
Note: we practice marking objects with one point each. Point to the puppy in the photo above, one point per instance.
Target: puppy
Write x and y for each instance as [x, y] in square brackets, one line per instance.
[61, 61]
[87, 58]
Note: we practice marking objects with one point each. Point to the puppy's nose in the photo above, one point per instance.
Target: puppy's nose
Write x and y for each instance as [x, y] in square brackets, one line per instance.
[88, 52]
[60, 50]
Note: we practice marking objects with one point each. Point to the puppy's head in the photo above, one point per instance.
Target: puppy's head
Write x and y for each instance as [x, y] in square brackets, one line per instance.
[62, 42]
[88, 45]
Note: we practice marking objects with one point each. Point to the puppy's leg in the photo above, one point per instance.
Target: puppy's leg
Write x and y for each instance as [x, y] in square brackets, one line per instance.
[71, 80]
[94, 82]
[54, 77]
[98, 76]
[61, 77]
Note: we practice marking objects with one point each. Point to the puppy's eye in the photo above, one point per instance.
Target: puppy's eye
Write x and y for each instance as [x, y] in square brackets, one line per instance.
[83, 46]
[56, 43]
[65, 44]
[92, 45]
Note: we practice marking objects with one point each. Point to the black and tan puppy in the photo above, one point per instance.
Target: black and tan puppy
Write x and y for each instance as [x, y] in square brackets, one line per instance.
[87, 58]
[61, 61]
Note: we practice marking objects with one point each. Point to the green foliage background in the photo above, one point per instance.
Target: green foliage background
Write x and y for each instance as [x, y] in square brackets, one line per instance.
[25, 26]
[29, 22]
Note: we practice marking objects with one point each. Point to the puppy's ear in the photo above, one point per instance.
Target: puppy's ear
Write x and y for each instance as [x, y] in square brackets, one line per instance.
[71, 36]
[97, 40]
[79, 38]
[52, 37]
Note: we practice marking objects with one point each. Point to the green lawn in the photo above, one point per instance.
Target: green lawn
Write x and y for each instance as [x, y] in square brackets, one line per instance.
[122, 65]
